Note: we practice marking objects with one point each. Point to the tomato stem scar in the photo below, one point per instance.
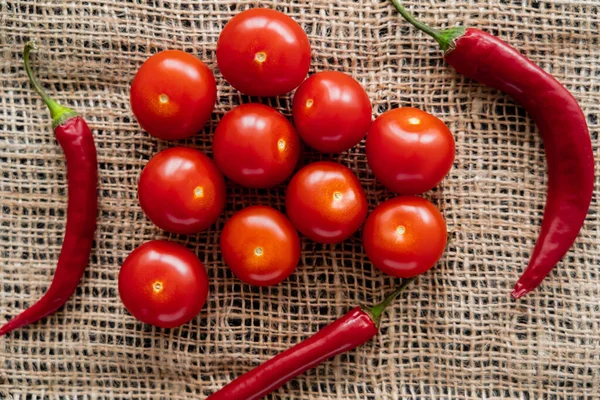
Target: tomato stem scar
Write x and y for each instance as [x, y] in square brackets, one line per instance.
[157, 287]
[260, 57]
[281, 144]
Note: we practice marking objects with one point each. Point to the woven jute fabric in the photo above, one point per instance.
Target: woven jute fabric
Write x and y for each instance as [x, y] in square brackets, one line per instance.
[455, 334]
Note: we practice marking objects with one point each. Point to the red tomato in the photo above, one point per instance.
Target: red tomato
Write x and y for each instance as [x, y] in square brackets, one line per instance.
[332, 112]
[263, 52]
[405, 236]
[256, 146]
[181, 190]
[260, 245]
[173, 95]
[409, 150]
[326, 202]
[163, 284]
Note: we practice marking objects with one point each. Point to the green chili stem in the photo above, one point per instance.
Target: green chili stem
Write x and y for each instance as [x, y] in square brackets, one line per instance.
[59, 113]
[445, 38]
[377, 310]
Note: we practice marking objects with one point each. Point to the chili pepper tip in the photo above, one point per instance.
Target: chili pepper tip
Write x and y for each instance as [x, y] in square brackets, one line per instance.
[519, 291]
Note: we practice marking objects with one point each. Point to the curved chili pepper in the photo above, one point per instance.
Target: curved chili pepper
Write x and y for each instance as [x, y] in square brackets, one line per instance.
[357, 327]
[563, 129]
[77, 142]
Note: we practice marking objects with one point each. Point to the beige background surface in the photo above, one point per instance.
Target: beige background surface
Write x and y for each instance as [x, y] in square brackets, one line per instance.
[456, 335]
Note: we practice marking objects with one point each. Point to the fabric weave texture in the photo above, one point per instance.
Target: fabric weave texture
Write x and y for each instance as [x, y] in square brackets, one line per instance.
[456, 334]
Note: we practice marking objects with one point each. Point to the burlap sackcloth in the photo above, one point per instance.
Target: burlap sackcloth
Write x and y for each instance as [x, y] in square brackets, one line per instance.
[456, 334]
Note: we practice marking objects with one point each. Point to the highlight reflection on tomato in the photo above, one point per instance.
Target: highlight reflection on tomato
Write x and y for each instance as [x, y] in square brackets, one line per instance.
[409, 151]
[163, 284]
[260, 246]
[173, 95]
[326, 202]
[263, 52]
[255, 146]
[181, 190]
[405, 236]
[332, 111]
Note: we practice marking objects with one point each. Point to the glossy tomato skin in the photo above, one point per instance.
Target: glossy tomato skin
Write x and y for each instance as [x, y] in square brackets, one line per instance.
[409, 151]
[260, 246]
[181, 190]
[405, 236]
[255, 146]
[263, 52]
[326, 202]
[173, 95]
[332, 112]
[163, 284]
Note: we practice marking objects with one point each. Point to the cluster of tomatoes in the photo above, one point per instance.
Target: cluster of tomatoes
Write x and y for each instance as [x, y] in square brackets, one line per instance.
[263, 52]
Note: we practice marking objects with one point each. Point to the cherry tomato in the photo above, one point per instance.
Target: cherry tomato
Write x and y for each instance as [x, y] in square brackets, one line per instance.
[173, 95]
[405, 236]
[326, 202]
[163, 284]
[181, 190]
[263, 52]
[332, 112]
[260, 245]
[409, 150]
[256, 146]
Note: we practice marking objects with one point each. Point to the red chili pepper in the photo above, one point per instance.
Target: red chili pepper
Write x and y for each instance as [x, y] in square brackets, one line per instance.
[77, 142]
[562, 125]
[348, 332]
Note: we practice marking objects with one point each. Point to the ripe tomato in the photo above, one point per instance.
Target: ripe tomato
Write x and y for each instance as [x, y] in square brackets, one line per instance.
[256, 146]
[332, 112]
[263, 52]
[260, 245]
[181, 190]
[173, 95]
[405, 236]
[409, 150]
[163, 284]
[326, 202]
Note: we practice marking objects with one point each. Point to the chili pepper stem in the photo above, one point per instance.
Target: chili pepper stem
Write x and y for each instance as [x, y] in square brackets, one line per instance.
[445, 38]
[59, 113]
[376, 311]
